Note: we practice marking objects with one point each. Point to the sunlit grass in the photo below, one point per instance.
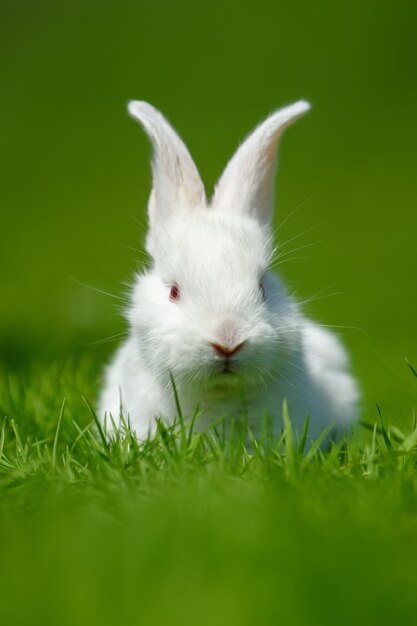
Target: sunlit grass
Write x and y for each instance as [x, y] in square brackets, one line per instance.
[198, 528]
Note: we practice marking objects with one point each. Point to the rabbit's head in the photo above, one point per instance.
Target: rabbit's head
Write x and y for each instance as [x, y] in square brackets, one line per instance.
[208, 311]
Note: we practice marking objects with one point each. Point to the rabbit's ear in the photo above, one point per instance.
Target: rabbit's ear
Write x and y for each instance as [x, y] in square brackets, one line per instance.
[176, 182]
[247, 184]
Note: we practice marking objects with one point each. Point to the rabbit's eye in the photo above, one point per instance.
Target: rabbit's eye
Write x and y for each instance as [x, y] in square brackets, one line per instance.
[262, 290]
[174, 294]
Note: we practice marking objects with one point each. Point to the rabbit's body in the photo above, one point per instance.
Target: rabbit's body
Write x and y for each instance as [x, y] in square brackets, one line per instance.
[209, 315]
[316, 385]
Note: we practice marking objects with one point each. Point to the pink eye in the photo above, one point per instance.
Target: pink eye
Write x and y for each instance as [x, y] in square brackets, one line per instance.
[174, 294]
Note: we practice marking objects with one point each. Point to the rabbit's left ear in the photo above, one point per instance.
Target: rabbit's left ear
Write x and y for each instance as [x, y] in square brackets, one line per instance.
[247, 184]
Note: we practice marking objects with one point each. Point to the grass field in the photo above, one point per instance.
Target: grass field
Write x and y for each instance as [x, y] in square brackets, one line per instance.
[197, 529]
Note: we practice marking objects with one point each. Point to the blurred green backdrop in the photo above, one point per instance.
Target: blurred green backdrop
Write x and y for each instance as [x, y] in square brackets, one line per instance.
[75, 169]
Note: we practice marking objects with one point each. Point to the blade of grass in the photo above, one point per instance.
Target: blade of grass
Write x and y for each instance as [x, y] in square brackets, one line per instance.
[197, 412]
[97, 423]
[387, 440]
[58, 428]
[2, 437]
[179, 413]
[20, 450]
[411, 367]
[290, 450]
[303, 440]
[81, 434]
[411, 441]
[315, 447]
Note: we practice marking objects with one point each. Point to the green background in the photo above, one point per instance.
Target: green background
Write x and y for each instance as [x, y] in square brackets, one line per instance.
[75, 171]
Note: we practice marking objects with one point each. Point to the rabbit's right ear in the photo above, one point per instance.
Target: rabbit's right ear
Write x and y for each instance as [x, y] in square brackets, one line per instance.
[177, 185]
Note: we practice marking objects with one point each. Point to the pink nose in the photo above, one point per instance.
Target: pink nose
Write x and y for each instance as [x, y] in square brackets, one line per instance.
[226, 351]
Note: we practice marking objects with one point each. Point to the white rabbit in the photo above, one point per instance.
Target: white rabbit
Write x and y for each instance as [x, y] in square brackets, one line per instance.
[209, 314]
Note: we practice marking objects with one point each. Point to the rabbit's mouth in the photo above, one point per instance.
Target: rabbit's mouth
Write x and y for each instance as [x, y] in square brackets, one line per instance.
[225, 371]
[223, 380]
[228, 368]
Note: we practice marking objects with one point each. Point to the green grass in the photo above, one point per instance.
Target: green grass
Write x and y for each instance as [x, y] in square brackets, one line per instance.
[197, 528]
[187, 531]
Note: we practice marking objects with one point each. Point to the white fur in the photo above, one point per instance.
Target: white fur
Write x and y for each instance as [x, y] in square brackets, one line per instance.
[218, 254]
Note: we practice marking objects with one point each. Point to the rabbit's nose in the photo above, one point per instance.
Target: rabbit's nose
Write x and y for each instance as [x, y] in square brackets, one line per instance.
[227, 351]
[227, 334]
